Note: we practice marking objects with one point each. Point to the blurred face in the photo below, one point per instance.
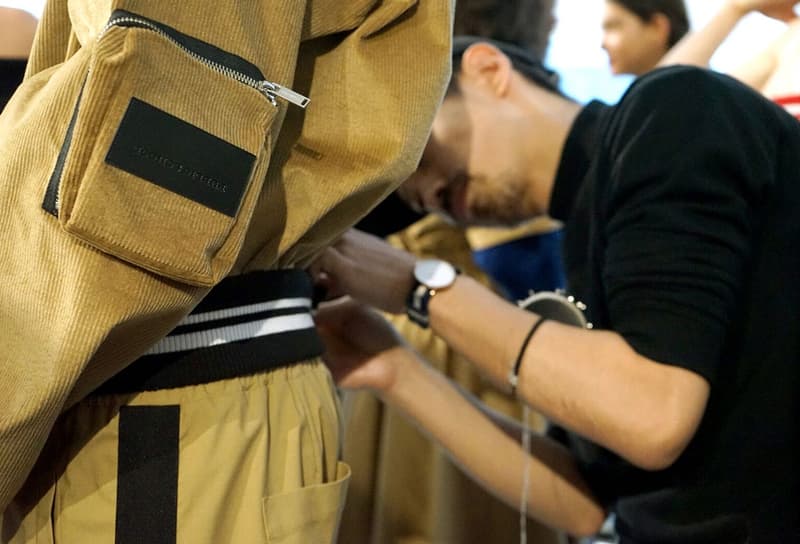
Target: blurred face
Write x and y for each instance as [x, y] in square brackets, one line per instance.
[473, 168]
[634, 46]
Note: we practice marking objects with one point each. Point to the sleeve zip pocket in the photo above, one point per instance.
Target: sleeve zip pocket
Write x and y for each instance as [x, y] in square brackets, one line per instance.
[166, 150]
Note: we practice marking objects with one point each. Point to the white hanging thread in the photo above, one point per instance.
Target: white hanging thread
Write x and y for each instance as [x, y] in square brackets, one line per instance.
[526, 475]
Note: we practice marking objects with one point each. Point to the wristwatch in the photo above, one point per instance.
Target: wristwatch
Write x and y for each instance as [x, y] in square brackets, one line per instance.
[431, 276]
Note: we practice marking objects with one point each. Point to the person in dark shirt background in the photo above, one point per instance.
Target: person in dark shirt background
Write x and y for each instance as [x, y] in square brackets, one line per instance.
[680, 405]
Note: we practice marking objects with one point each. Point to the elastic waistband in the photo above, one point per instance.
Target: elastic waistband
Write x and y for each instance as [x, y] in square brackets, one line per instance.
[247, 324]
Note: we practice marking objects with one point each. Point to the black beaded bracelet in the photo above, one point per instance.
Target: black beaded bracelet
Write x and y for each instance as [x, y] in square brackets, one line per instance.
[513, 375]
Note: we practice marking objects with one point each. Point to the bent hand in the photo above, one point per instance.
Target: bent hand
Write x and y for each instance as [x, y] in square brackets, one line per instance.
[362, 349]
[782, 10]
[366, 268]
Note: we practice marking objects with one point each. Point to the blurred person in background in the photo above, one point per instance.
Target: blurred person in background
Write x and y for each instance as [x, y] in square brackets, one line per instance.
[17, 28]
[774, 70]
[638, 33]
[526, 258]
[526, 23]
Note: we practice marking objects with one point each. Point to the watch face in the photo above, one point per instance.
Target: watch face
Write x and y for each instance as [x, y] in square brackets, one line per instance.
[434, 273]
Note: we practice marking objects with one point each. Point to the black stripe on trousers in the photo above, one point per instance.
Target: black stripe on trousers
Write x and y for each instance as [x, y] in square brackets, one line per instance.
[147, 475]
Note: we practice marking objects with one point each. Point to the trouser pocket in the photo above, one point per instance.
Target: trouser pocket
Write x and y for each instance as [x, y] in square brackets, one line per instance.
[308, 514]
[166, 151]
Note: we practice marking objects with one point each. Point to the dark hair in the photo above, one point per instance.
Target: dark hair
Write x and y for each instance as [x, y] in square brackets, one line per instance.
[523, 61]
[524, 23]
[673, 10]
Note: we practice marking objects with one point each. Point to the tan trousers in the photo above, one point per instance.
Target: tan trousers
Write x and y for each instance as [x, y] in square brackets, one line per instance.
[249, 460]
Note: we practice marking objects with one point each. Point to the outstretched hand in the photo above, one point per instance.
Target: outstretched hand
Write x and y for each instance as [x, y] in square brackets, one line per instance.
[366, 268]
[361, 348]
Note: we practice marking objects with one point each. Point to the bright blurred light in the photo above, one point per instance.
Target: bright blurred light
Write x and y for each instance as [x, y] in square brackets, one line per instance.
[35, 7]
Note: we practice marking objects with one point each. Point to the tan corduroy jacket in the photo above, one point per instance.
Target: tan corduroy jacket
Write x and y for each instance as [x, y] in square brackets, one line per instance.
[144, 160]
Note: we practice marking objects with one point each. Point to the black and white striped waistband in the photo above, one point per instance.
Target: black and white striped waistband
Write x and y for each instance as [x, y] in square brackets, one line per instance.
[245, 325]
[244, 307]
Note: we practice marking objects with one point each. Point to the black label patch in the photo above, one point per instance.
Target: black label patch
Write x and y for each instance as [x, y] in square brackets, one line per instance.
[162, 149]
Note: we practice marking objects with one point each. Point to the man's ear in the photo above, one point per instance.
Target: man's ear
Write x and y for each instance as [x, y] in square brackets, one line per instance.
[663, 27]
[487, 65]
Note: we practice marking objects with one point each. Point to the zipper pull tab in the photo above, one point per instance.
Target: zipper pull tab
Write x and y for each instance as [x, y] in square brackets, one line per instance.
[291, 96]
[273, 89]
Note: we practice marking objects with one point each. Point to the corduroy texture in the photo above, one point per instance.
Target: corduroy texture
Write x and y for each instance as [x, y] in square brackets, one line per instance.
[96, 197]
[71, 315]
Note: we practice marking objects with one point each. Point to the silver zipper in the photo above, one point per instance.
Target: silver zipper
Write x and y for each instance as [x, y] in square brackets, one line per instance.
[268, 88]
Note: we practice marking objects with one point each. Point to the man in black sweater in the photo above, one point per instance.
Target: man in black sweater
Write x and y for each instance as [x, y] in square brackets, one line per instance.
[680, 407]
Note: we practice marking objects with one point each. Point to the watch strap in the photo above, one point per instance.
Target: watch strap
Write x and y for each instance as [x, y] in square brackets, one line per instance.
[420, 297]
[417, 304]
